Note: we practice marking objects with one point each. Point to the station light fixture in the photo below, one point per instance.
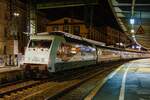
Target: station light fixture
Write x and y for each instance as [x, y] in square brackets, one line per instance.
[121, 44]
[133, 36]
[132, 31]
[133, 47]
[132, 21]
[16, 14]
[138, 47]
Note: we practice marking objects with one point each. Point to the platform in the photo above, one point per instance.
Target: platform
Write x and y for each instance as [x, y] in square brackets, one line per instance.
[9, 68]
[131, 81]
[10, 73]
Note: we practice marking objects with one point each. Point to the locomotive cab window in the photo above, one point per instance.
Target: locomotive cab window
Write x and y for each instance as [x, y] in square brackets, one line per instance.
[40, 44]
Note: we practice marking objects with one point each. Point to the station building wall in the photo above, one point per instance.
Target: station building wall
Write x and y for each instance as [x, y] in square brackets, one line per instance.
[105, 34]
[3, 26]
[11, 27]
[76, 27]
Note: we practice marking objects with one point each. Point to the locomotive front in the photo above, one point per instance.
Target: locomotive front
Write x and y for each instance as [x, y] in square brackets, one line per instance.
[37, 55]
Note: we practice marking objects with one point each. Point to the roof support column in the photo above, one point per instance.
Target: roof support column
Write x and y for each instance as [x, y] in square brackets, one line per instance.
[132, 7]
[32, 17]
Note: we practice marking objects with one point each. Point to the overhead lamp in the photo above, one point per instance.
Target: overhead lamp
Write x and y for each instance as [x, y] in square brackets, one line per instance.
[133, 47]
[133, 36]
[132, 21]
[16, 14]
[132, 31]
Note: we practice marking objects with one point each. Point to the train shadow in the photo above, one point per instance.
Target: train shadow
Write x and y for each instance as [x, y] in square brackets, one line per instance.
[76, 73]
[81, 73]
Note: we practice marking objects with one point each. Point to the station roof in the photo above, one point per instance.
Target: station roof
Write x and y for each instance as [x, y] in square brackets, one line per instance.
[114, 13]
[95, 12]
[139, 10]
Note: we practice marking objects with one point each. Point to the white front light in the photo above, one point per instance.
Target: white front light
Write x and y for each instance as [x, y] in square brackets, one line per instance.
[44, 59]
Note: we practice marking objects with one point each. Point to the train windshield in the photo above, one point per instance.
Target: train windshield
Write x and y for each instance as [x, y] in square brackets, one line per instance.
[40, 43]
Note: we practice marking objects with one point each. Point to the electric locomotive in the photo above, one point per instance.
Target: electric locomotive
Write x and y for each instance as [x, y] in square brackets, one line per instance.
[51, 52]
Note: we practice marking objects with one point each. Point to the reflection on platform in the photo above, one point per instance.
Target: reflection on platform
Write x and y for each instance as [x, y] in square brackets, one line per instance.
[131, 82]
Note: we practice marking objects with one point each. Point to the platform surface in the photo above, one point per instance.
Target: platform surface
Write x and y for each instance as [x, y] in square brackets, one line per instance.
[8, 68]
[130, 82]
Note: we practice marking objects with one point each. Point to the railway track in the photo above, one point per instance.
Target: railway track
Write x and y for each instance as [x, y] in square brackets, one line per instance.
[17, 86]
[52, 88]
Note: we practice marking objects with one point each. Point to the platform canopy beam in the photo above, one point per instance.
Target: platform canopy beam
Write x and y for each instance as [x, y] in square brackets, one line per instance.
[64, 4]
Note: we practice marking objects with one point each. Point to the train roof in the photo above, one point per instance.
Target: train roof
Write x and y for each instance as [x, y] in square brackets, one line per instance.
[73, 38]
[60, 33]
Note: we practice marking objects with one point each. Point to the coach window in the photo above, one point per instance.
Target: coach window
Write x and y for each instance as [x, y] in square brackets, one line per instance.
[40, 43]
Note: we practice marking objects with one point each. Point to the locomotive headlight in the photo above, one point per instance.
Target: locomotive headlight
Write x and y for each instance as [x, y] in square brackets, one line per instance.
[44, 60]
[27, 59]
